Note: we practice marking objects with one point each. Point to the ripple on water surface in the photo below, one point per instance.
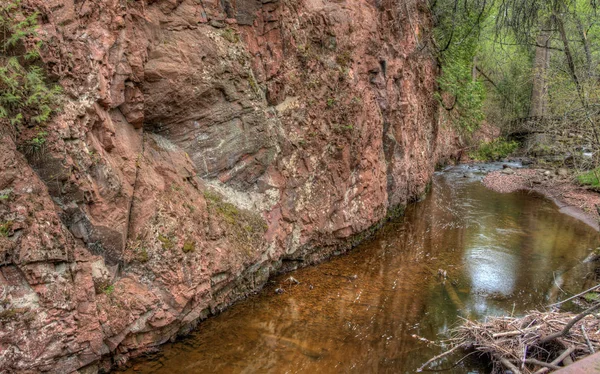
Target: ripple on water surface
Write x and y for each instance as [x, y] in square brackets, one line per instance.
[502, 253]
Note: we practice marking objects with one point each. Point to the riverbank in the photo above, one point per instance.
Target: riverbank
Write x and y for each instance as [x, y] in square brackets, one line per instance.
[462, 251]
[557, 186]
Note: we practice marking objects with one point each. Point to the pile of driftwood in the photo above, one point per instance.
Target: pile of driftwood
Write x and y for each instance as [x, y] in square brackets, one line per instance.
[538, 342]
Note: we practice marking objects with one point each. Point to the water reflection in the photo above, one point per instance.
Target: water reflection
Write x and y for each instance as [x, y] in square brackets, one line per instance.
[358, 313]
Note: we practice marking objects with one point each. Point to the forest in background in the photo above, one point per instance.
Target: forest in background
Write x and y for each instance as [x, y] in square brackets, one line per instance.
[511, 62]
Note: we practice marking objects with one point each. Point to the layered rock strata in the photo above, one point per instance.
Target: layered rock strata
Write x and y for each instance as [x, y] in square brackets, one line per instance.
[202, 146]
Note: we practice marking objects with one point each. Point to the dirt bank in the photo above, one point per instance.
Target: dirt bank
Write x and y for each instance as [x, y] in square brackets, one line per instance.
[557, 185]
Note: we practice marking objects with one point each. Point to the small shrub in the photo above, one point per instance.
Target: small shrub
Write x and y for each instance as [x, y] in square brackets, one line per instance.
[212, 196]
[166, 242]
[230, 35]
[39, 140]
[25, 96]
[142, 255]
[590, 178]
[5, 229]
[108, 290]
[344, 58]
[342, 129]
[12, 314]
[253, 84]
[494, 150]
[5, 194]
[245, 228]
[189, 246]
[591, 297]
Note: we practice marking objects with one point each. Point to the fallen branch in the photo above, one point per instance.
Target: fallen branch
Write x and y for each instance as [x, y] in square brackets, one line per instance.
[587, 340]
[558, 360]
[541, 363]
[439, 356]
[566, 329]
[513, 333]
[508, 364]
[576, 296]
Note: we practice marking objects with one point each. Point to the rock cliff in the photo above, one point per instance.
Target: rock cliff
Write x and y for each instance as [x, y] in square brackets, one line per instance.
[202, 145]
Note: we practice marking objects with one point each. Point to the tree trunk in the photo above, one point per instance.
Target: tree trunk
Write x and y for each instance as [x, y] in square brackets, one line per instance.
[541, 63]
[586, 46]
[573, 73]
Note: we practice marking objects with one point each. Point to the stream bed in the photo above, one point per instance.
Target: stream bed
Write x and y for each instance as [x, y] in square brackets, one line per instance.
[464, 251]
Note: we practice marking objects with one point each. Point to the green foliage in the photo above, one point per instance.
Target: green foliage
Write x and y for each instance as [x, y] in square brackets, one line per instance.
[591, 296]
[142, 255]
[166, 242]
[457, 34]
[25, 95]
[39, 140]
[5, 228]
[339, 129]
[590, 178]
[109, 290]
[509, 59]
[244, 228]
[344, 58]
[494, 150]
[189, 246]
[252, 83]
[5, 194]
[12, 314]
[508, 71]
[230, 35]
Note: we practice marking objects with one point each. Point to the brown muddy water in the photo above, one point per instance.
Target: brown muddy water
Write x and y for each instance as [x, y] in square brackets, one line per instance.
[364, 312]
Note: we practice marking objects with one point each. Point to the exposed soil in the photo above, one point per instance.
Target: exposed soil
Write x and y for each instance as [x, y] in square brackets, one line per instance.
[558, 186]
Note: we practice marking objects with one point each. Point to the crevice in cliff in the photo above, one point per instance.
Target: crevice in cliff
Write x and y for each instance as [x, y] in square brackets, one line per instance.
[133, 193]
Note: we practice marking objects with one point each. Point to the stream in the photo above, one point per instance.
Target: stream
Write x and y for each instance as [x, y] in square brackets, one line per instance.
[462, 252]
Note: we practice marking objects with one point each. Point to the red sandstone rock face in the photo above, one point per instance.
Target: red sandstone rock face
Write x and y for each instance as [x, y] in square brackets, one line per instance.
[203, 145]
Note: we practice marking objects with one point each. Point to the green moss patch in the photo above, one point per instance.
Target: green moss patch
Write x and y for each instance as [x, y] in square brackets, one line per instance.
[494, 150]
[244, 228]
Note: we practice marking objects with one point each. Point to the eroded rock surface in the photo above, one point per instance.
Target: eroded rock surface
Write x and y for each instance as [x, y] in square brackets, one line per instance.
[203, 145]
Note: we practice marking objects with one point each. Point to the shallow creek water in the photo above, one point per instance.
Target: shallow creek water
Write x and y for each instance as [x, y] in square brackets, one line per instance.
[363, 312]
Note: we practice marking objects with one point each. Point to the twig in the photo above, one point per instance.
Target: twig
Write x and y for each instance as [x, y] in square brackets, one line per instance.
[566, 329]
[508, 364]
[515, 332]
[587, 340]
[575, 296]
[453, 366]
[558, 360]
[556, 283]
[439, 356]
[524, 357]
[542, 363]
